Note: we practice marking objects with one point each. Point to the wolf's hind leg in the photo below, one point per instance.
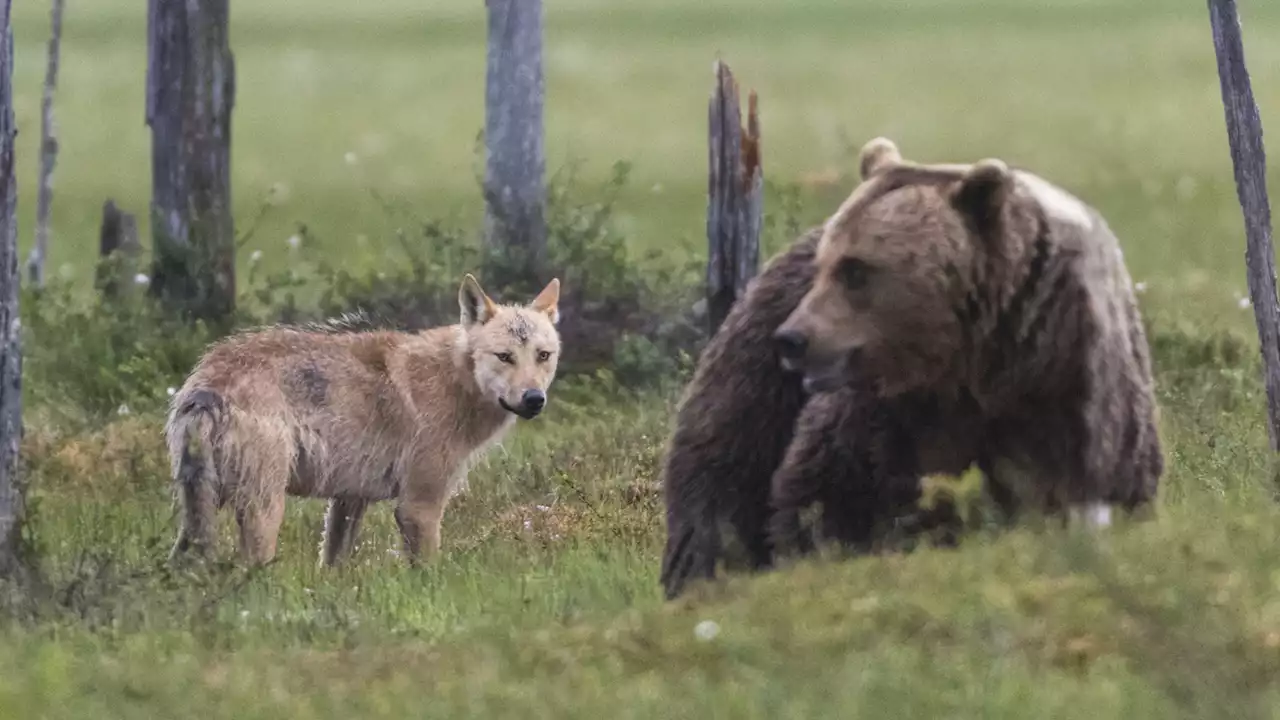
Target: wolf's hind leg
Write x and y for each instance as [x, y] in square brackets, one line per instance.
[342, 521]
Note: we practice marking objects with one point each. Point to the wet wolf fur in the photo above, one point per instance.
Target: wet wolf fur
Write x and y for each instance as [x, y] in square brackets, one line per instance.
[355, 416]
[1046, 316]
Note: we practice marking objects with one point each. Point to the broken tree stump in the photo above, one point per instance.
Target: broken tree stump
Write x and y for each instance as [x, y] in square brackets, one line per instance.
[118, 252]
[735, 197]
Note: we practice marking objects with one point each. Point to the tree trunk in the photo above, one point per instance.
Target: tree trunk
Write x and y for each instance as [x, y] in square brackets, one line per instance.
[11, 496]
[48, 151]
[1244, 135]
[190, 95]
[735, 200]
[515, 227]
[118, 251]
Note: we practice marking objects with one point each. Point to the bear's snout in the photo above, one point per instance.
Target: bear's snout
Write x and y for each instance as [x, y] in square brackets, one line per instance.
[791, 344]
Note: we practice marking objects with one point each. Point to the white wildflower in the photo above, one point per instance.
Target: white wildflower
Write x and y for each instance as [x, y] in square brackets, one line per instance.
[1186, 187]
[1243, 303]
[255, 256]
[1140, 287]
[141, 279]
[543, 508]
[170, 391]
[122, 410]
[706, 630]
[279, 193]
[294, 241]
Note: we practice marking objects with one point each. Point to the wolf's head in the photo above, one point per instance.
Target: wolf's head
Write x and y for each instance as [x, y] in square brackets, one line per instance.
[514, 349]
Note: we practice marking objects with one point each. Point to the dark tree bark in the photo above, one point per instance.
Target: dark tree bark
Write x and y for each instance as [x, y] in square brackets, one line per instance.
[1248, 157]
[735, 198]
[48, 151]
[515, 226]
[190, 95]
[11, 495]
[118, 251]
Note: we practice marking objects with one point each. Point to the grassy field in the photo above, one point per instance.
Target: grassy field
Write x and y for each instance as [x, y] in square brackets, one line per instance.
[546, 602]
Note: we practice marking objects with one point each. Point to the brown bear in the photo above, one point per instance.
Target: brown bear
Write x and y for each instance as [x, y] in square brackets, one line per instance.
[732, 429]
[948, 315]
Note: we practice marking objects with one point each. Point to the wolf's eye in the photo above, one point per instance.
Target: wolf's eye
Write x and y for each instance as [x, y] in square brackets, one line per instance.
[852, 273]
[543, 356]
[505, 357]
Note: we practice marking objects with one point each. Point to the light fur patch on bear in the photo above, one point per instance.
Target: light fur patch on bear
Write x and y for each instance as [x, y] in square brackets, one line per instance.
[1056, 202]
[876, 155]
[1096, 515]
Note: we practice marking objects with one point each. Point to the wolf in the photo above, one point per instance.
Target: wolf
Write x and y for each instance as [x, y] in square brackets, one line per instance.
[354, 416]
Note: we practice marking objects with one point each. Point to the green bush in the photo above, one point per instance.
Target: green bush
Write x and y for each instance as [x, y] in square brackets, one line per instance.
[84, 360]
[610, 299]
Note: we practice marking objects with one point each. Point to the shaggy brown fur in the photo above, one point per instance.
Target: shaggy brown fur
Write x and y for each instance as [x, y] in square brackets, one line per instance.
[732, 430]
[1005, 301]
[355, 417]
[745, 425]
[853, 456]
[958, 315]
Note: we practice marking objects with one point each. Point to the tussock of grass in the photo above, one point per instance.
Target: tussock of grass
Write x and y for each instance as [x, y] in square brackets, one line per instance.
[1139, 623]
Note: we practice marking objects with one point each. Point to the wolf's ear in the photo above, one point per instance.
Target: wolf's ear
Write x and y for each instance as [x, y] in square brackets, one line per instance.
[548, 301]
[475, 305]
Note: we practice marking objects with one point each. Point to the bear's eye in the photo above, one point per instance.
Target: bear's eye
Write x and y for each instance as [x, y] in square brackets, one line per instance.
[505, 357]
[853, 273]
[543, 356]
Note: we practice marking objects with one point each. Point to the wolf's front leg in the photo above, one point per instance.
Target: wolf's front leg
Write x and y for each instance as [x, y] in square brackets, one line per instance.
[420, 508]
[419, 524]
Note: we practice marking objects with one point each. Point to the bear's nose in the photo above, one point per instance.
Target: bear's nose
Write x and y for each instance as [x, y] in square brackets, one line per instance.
[534, 400]
[791, 344]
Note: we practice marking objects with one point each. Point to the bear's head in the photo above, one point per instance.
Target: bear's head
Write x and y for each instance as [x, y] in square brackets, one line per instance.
[893, 269]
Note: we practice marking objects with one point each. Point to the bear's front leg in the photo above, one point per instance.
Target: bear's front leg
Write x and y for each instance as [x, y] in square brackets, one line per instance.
[850, 457]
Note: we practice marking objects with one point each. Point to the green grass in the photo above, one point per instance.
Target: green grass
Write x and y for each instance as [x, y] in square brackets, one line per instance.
[1119, 101]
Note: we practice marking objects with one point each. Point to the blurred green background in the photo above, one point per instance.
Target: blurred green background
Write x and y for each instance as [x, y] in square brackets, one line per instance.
[1116, 100]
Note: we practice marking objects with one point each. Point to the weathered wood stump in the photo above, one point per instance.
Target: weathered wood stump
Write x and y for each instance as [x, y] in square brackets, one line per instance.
[735, 197]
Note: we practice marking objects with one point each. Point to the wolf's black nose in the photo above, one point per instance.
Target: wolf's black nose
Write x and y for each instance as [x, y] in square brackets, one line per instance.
[791, 344]
[534, 400]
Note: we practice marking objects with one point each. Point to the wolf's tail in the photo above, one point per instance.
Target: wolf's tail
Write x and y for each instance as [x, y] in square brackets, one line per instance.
[196, 419]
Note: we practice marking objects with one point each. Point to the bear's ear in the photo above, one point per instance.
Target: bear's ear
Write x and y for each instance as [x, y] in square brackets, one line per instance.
[982, 192]
[876, 156]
